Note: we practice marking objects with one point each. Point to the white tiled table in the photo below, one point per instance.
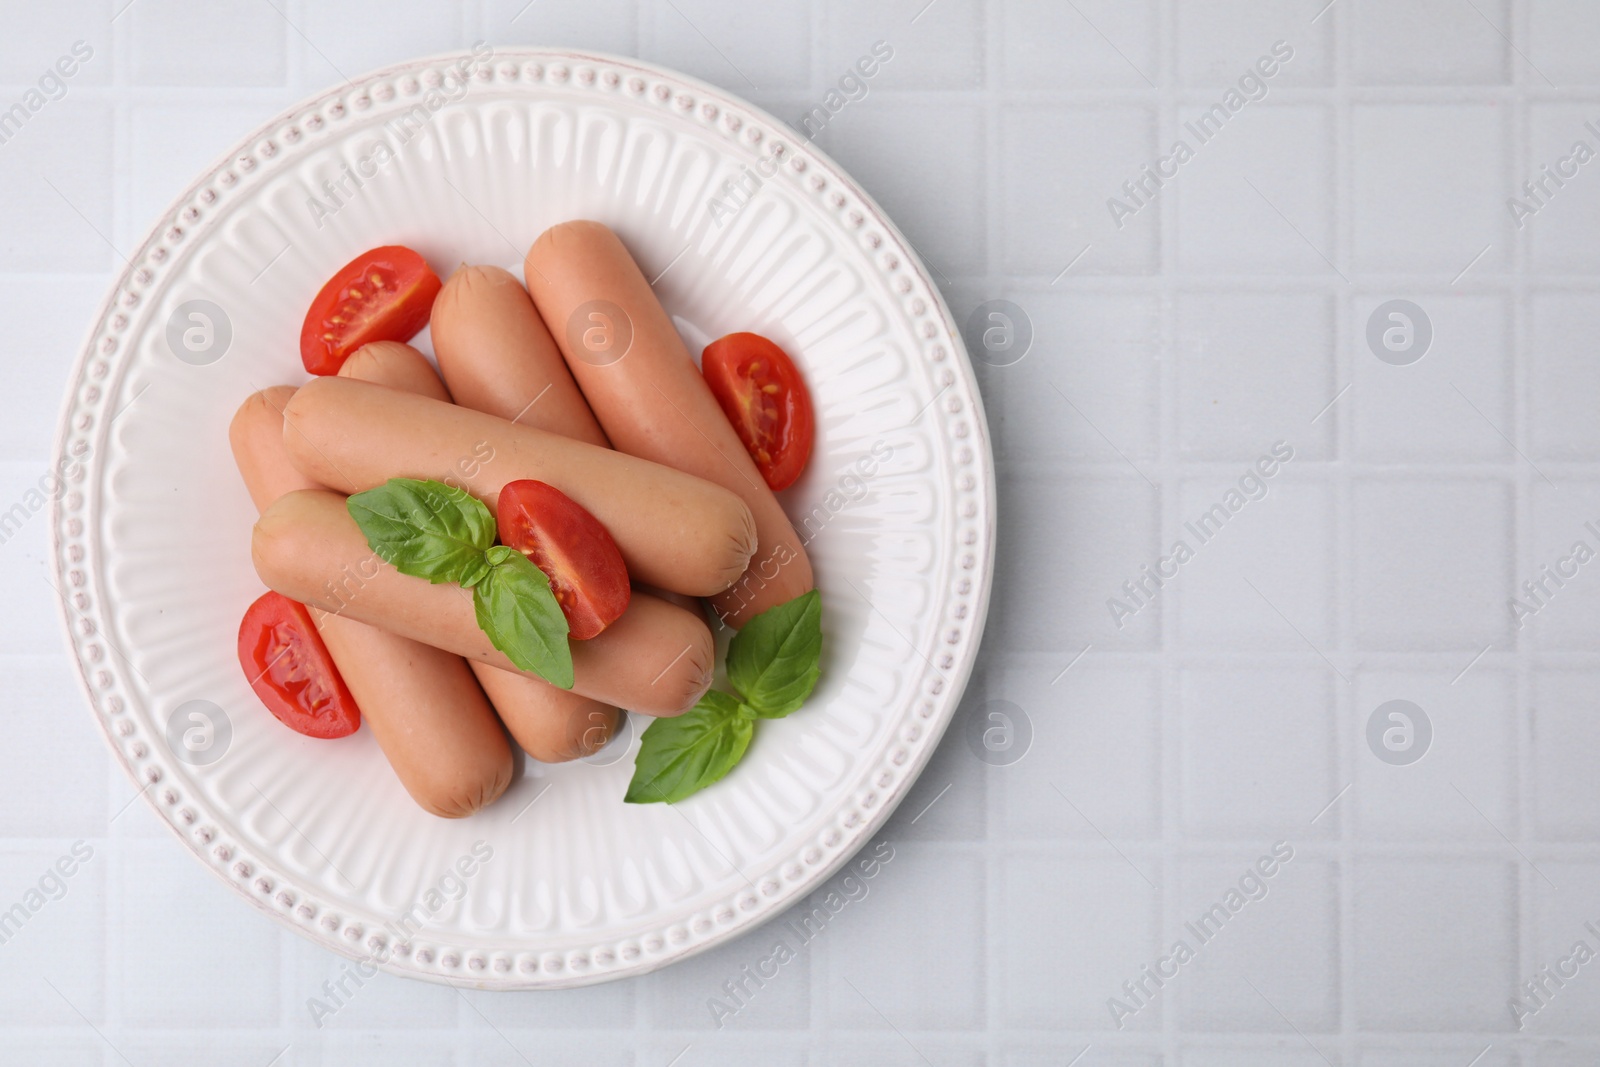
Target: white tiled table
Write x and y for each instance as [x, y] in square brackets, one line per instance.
[1221, 318]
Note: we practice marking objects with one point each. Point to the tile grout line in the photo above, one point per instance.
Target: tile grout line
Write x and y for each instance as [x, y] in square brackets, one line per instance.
[1520, 137]
[1346, 710]
[1169, 505]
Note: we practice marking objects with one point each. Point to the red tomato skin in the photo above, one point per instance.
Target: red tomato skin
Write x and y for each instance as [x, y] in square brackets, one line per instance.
[788, 437]
[411, 285]
[301, 687]
[573, 549]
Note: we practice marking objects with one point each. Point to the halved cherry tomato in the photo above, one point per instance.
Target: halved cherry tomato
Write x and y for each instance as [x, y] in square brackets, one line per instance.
[381, 295]
[765, 398]
[575, 552]
[289, 668]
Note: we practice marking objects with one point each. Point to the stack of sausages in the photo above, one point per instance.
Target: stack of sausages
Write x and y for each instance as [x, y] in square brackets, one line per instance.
[639, 441]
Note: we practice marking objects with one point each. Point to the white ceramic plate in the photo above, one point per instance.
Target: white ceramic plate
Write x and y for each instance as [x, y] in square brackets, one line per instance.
[151, 540]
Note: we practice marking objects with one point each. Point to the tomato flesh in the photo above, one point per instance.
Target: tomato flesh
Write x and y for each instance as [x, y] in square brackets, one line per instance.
[760, 390]
[382, 295]
[573, 550]
[291, 671]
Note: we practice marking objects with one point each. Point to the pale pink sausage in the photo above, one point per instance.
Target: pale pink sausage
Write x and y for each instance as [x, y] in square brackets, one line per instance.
[491, 342]
[397, 365]
[651, 400]
[675, 531]
[497, 356]
[656, 659]
[551, 725]
[424, 708]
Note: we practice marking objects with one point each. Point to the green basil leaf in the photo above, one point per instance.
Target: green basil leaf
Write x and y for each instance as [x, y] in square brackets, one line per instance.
[775, 660]
[518, 611]
[426, 529]
[684, 754]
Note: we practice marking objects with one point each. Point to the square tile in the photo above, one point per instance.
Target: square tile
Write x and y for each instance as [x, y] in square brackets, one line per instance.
[1566, 727]
[55, 179]
[189, 949]
[1240, 589]
[862, 1051]
[1557, 594]
[27, 581]
[610, 1006]
[53, 932]
[1063, 167]
[1219, 41]
[760, 982]
[1555, 197]
[1404, 158]
[740, 48]
[1257, 198]
[1278, 933]
[499, 1051]
[344, 44]
[890, 148]
[1454, 403]
[1442, 1056]
[911, 946]
[1050, 600]
[932, 46]
[1431, 42]
[416, 1050]
[1095, 1057]
[1561, 36]
[1558, 993]
[1566, 1054]
[730, 1049]
[1101, 915]
[65, 796]
[1088, 389]
[1431, 564]
[1561, 422]
[1238, 395]
[1257, 752]
[245, 43]
[37, 38]
[1094, 44]
[74, 1051]
[1096, 746]
[202, 1049]
[1464, 783]
[336, 995]
[1315, 1056]
[48, 344]
[1435, 944]
[600, 25]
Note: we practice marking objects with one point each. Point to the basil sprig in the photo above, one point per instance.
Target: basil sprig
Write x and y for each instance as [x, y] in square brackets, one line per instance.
[426, 529]
[517, 609]
[774, 663]
[776, 659]
[444, 534]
